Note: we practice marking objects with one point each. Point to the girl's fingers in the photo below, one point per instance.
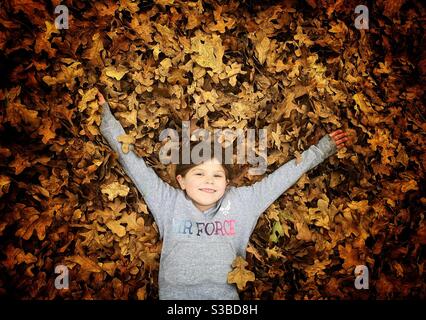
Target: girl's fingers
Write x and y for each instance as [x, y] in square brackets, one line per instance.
[342, 137]
[336, 132]
[339, 133]
[101, 98]
[339, 137]
[341, 142]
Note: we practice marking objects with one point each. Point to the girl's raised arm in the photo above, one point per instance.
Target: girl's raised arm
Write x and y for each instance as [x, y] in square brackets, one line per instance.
[259, 196]
[157, 193]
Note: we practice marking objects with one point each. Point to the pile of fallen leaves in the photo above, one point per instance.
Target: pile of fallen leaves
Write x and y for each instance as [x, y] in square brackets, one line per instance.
[298, 68]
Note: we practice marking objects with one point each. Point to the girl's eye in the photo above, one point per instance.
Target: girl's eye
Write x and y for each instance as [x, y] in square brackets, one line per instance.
[218, 176]
[198, 174]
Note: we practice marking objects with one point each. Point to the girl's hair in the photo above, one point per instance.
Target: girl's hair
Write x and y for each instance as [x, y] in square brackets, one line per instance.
[182, 169]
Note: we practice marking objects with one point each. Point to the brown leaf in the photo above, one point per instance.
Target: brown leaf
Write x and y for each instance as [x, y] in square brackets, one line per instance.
[240, 276]
[114, 190]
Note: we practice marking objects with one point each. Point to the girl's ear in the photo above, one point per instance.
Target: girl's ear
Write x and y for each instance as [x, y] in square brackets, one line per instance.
[180, 181]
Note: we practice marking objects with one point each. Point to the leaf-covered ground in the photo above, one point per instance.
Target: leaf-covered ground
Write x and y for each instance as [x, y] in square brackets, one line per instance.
[298, 68]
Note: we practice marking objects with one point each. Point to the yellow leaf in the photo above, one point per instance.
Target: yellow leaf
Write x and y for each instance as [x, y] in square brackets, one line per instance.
[277, 231]
[164, 2]
[116, 227]
[4, 185]
[409, 185]
[116, 73]
[16, 113]
[46, 130]
[339, 28]
[86, 263]
[93, 53]
[303, 232]
[360, 101]
[109, 267]
[208, 51]
[262, 48]
[127, 140]
[361, 206]
[275, 252]
[67, 76]
[133, 223]
[141, 293]
[20, 163]
[240, 276]
[34, 221]
[89, 95]
[302, 38]
[17, 256]
[243, 110]
[130, 117]
[114, 190]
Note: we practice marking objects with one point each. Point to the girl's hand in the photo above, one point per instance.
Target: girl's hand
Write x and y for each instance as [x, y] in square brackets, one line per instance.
[101, 99]
[339, 137]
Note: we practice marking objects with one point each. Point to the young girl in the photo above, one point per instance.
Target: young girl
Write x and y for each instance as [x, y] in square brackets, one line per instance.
[207, 223]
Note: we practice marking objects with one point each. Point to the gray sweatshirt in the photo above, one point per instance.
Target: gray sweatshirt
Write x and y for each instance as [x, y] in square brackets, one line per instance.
[199, 247]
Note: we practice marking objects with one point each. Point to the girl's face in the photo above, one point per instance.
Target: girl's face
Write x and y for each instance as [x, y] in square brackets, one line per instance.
[205, 183]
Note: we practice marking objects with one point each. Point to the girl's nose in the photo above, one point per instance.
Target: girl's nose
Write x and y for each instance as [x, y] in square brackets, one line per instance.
[209, 179]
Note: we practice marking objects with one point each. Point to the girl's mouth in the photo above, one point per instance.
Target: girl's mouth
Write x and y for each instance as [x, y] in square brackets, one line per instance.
[208, 190]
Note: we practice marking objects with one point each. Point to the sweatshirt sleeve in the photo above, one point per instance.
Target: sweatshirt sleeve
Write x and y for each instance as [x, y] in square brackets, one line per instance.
[259, 196]
[157, 194]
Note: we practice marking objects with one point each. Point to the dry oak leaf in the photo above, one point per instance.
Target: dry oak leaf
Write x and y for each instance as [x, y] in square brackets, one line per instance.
[47, 130]
[20, 163]
[240, 276]
[88, 96]
[86, 263]
[274, 252]
[18, 115]
[114, 190]
[320, 216]
[34, 220]
[108, 267]
[133, 223]
[350, 256]
[262, 48]
[43, 42]
[231, 72]
[116, 72]
[303, 232]
[126, 140]
[68, 75]
[277, 232]
[130, 117]
[141, 293]
[116, 228]
[17, 256]
[208, 51]
[4, 184]
[94, 52]
[220, 24]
